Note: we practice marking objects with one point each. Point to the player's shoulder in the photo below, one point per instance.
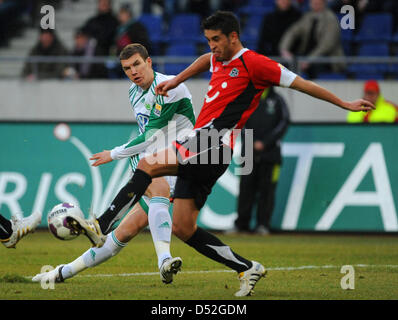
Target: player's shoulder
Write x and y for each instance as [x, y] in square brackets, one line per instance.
[253, 56]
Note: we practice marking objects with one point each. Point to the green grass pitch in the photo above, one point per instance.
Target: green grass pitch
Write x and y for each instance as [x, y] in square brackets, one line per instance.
[299, 267]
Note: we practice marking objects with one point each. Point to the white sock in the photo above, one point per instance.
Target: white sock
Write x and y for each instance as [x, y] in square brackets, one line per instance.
[94, 256]
[160, 225]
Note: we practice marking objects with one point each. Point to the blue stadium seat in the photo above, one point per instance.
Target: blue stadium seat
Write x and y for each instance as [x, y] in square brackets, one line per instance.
[331, 76]
[375, 27]
[184, 27]
[259, 7]
[179, 49]
[367, 76]
[251, 31]
[154, 26]
[371, 50]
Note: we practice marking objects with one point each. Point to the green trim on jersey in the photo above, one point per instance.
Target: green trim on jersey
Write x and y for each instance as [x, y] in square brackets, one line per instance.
[159, 121]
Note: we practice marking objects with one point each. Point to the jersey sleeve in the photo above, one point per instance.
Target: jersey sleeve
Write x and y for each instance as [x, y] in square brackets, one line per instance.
[266, 72]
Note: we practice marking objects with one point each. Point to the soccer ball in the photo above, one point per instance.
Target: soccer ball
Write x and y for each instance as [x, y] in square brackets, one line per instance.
[59, 221]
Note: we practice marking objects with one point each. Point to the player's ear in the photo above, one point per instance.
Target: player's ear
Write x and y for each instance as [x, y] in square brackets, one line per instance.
[233, 37]
[149, 61]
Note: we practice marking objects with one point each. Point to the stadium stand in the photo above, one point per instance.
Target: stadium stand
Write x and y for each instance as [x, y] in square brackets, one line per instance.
[376, 34]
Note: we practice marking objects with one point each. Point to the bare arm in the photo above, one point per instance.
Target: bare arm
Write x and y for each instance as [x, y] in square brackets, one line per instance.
[319, 92]
[200, 65]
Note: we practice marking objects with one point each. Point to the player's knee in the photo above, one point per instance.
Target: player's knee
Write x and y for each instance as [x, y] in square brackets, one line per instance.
[158, 188]
[145, 166]
[182, 232]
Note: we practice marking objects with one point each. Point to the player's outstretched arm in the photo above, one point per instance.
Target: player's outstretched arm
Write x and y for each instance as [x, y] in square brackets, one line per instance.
[319, 92]
[200, 65]
[101, 158]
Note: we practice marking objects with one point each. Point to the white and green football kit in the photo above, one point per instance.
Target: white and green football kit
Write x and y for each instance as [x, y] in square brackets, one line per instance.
[160, 119]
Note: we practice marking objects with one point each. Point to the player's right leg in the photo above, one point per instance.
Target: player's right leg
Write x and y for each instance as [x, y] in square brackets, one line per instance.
[129, 227]
[160, 226]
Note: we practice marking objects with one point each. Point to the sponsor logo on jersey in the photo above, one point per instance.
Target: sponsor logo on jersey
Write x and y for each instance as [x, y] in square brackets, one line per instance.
[148, 106]
[158, 110]
[234, 72]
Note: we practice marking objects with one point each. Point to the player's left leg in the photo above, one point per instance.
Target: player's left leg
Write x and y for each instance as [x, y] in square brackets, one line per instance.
[11, 231]
[130, 226]
[185, 214]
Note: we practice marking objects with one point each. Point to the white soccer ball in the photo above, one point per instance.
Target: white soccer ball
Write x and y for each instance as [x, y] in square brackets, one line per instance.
[59, 220]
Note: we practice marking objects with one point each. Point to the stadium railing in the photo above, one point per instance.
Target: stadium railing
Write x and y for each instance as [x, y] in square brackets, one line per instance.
[386, 66]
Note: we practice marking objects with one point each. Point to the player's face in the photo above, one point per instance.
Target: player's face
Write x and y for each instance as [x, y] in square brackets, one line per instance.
[221, 45]
[138, 70]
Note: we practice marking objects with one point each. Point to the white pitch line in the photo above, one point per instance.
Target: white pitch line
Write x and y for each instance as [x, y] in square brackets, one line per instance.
[138, 274]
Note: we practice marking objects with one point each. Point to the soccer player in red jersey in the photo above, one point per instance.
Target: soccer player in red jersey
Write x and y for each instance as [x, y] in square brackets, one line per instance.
[239, 76]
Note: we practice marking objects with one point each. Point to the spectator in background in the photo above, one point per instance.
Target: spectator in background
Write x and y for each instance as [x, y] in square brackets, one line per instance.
[102, 27]
[385, 110]
[48, 45]
[130, 30]
[85, 46]
[269, 123]
[318, 33]
[274, 26]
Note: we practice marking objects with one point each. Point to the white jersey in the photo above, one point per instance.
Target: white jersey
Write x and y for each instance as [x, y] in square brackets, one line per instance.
[161, 120]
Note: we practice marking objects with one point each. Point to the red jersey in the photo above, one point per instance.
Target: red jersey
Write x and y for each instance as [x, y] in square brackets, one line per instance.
[236, 86]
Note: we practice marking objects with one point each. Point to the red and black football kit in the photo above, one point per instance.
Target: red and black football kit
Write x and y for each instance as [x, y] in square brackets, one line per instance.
[234, 93]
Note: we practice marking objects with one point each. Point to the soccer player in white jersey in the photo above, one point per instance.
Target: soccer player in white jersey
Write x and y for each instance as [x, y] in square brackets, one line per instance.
[160, 120]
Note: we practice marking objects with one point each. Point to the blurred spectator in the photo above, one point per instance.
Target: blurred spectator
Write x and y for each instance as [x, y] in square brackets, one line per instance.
[274, 26]
[102, 27]
[10, 24]
[48, 45]
[385, 110]
[319, 34]
[85, 46]
[130, 30]
[269, 123]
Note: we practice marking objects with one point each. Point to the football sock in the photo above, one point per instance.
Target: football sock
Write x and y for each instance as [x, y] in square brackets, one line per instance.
[160, 226]
[210, 246]
[94, 256]
[5, 228]
[127, 197]
[73, 268]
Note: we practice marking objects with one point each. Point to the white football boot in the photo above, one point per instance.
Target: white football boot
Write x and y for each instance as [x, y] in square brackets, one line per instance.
[90, 228]
[249, 278]
[170, 267]
[53, 276]
[21, 227]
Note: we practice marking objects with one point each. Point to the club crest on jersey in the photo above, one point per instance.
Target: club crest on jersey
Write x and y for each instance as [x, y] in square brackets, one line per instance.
[142, 120]
[234, 72]
[158, 110]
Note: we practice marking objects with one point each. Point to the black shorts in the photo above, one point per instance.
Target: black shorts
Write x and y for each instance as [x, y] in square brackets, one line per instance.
[199, 167]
